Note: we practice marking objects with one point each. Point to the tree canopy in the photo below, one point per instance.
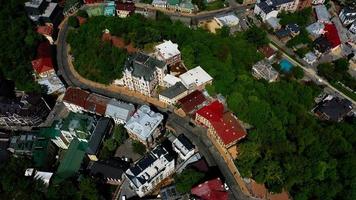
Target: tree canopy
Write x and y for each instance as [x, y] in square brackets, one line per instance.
[18, 45]
[187, 179]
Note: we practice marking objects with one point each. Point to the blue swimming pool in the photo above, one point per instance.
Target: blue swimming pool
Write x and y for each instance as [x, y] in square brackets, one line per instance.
[286, 66]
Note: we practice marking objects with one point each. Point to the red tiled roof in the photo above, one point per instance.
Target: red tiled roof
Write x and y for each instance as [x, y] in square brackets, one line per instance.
[332, 35]
[210, 190]
[96, 103]
[45, 30]
[225, 124]
[267, 51]
[76, 96]
[44, 50]
[42, 65]
[212, 112]
[126, 6]
[192, 100]
[229, 129]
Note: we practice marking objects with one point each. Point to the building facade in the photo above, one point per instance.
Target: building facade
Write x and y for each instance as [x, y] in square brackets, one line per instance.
[168, 52]
[347, 15]
[143, 73]
[151, 170]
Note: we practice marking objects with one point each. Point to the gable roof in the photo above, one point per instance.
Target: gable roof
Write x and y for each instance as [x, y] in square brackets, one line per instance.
[334, 108]
[332, 35]
[119, 109]
[142, 65]
[212, 112]
[192, 101]
[96, 103]
[76, 96]
[174, 91]
[45, 30]
[210, 190]
[42, 65]
[267, 51]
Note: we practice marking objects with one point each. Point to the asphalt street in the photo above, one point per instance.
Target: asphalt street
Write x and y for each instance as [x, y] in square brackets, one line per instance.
[181, 124]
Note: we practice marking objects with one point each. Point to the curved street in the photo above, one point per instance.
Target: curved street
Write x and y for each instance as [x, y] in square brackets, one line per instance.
[196, 134]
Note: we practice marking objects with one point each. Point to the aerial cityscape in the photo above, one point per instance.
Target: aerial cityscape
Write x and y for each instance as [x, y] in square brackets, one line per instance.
[178, 100]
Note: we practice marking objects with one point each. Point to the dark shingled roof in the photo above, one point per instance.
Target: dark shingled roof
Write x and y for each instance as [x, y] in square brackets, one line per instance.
[103, 127]
[174, 91]
[108, 169]
[185, 141]
[142, 65]
[334, 109]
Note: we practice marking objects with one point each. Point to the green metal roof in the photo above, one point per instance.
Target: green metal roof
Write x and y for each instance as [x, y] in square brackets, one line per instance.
[173, 2]
[70, 164]
[82, 125]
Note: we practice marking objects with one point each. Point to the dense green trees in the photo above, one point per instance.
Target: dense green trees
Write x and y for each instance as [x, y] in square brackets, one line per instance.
[187, 179]
[111, 144]
[302, 17]
[18, 45]
[286, 147]
[138, 147]
[73, 21]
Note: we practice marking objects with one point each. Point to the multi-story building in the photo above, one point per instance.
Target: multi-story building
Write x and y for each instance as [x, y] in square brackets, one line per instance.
[183, 147]
[264, 70]
[223, 127]
[23, 110]
[270, 8]
[96, 104]
[168, 52]
[144, 125]
[348, 15]
[125, 9]
[74, 99]
[119, 111]
[43, 12]
[150, 171]
[196, 79]
[173, 94]
[143, 73]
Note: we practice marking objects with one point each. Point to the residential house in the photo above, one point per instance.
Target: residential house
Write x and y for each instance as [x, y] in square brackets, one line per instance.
[183, 146]
[348, 15]
[318, 2]
[23, 110]
[310, 58]
[293, 29]
[96, 104]
[53, 84]
[144, 125]
[43, 67]
[170, 193]
[210, 190]
[263, 69]
[267, 51]
[109, 8]
[47, 32]
[125, 9]
[332, 35]
[172, 94]
[168, 52]
[170, 80]
[315, 29]
[223, 127]
[159, 3]
[74, 99]
[229, 20]
[193, 101]
[143, 73]
[75, 125]
[43, 12]
[352, 28]
[119, 111]
[322, 45]
[302, 4]
[333, 108]
[270, 8]
[186, 6]
[150, 171]
[273, 22]
[72, 160]
[265, 11]
[283, 34]
[103, 127]
[322, 13]
[109, 171]
[196, 78]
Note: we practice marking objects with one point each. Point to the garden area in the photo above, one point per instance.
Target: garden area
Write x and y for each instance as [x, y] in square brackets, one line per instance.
[287, 148]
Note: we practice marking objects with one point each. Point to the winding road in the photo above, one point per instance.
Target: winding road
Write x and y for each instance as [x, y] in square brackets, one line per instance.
[196, 134]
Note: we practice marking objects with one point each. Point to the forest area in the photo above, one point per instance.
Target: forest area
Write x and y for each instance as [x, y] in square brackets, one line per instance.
[287, 148]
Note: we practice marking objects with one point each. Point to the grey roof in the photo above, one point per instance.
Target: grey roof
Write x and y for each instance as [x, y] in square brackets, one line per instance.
[142, 65]
[322, 13]
[34, 3]
[265, 7]
[280, 2]
[103, 127]
[335, 108]
[107, 169]
[174, 91]
[119, 109]
[348, 11]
